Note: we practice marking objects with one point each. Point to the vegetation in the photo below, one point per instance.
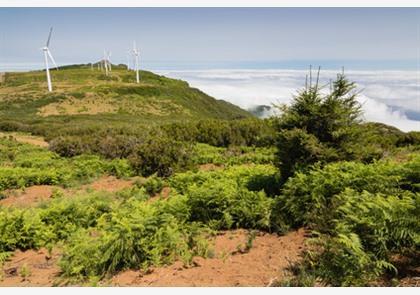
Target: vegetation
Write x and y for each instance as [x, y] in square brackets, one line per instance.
[353, 186]
[23, 165]
[361, 213]
[91, 103]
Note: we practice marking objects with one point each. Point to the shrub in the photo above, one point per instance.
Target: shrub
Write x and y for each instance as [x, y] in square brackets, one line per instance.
[34, 166]
[306, 198]
[252, 177]
[360, 215]
[65, 216]
[316, 126]
[21, 229]
[233, 155]
[68, 146]
[366, 230]
[160, 155]
[297, 149]
[225, 205]
[153, 185]
[136, 236]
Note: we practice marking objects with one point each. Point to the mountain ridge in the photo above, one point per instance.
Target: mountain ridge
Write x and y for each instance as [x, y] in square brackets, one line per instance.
[83, 90]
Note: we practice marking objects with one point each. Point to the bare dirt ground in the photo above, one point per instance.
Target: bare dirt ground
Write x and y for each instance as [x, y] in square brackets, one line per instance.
[269, 256]
[265, 262]
[26, 138]
[33, 195]
[34, 268]
[109, 184]
[210, 167]
[28, 196]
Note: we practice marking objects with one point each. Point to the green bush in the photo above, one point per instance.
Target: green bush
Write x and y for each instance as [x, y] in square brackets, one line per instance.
[160, 155]
[153, 185]
[233, 155]
[252, 177]
[366, 231]
[68, 146]
[51, 222]
[21, 229]
[317, 127]
[306, 198]
[225, 205]
[360, 215]
[65, 216]
[34, 166]
[136, 236]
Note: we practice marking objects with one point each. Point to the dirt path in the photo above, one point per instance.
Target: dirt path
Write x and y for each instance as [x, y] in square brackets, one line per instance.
[265, 262]
[109, 184]
[27, 196]
[33, 195]
[210, 167]
[34, 268]
[26, 138]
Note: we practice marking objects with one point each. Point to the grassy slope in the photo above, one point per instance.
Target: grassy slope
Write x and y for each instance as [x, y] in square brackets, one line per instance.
[84, 97]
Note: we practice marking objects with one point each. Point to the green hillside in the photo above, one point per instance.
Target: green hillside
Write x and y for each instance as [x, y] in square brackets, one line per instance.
[115, 183]
[83, 96]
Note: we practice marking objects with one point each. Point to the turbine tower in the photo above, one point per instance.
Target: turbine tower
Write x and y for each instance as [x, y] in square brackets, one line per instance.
[105, 63]
[109, 61]
[136, 61]
[47, 54]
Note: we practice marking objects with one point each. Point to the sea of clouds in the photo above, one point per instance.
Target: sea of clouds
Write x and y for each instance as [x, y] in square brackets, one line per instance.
[390, 97]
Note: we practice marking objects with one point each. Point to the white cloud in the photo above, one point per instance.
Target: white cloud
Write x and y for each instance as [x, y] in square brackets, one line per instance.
[383, 91]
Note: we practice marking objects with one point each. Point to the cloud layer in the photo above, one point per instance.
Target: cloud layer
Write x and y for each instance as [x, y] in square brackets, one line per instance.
[390, 97]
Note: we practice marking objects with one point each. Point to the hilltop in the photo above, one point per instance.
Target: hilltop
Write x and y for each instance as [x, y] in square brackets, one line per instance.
[84, 96]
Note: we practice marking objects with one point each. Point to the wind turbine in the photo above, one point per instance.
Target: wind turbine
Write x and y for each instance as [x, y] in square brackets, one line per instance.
[47, 54]
[109, 61]
[105, 63]
[136, 61]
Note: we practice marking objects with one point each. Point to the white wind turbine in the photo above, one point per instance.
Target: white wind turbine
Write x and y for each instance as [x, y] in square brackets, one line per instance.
[105, 63]
[136, 61]
[47, 54]
[109, 61]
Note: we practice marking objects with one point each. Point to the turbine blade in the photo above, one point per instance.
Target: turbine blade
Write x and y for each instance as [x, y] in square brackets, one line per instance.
[49, 37]
[52, 59]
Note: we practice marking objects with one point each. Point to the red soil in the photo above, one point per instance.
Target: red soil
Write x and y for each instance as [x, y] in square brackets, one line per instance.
[28, 196]
[33, 195]
[265, 262]
[110, 184]
[210, 167]
[42, 269]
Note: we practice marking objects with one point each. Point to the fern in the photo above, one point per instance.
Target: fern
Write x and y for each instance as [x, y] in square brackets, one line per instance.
[4, 256]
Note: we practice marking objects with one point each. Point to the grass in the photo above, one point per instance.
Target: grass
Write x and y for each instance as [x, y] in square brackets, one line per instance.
[88, 99]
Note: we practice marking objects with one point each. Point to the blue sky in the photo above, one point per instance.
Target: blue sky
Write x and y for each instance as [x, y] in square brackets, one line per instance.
[370, 38]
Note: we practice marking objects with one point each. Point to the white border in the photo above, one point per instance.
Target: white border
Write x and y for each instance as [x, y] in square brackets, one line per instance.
[209, 3]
